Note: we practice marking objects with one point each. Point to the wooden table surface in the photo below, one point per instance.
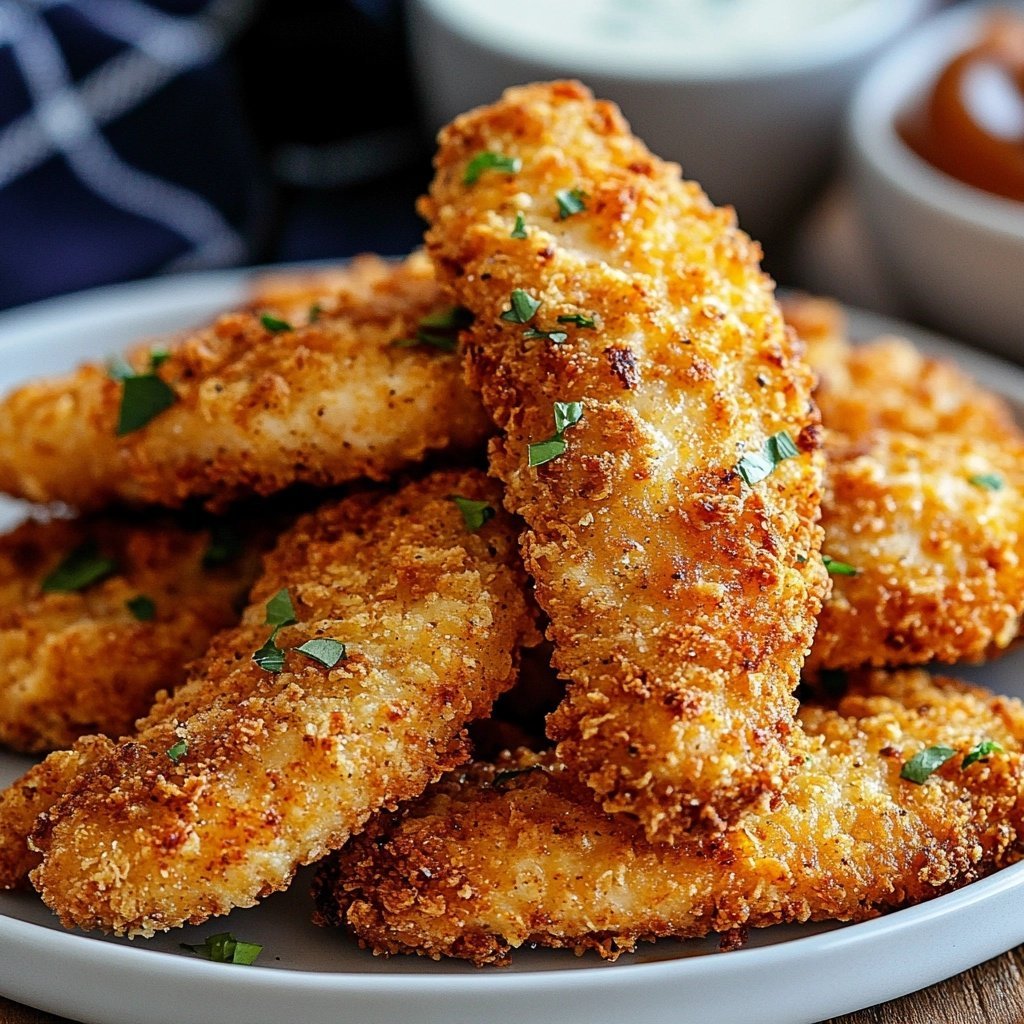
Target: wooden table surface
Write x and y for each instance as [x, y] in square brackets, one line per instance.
[992, 993]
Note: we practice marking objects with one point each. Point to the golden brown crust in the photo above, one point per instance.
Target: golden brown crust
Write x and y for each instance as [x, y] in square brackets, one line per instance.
[37, 791]
[486, 863]
[82, 662]
[281, 768]
[256, 410]
[939, 559]
[681, 600]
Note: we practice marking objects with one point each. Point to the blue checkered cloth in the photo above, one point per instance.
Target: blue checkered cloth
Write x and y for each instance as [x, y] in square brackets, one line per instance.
[108, 109]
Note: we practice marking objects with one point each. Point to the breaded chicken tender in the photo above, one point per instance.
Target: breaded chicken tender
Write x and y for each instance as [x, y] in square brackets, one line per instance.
[928, 542]
[251, 769]
[677, 562]
[491, 860]
[889, 384]
[35, 792]
[924, 503]
[98, 614]
[259, 403]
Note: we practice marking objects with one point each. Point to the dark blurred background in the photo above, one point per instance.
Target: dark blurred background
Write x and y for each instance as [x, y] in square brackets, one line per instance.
[139, 138]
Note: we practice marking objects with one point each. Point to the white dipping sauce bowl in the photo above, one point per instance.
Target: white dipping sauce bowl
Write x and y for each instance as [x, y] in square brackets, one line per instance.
[954, 252]
[757, 130]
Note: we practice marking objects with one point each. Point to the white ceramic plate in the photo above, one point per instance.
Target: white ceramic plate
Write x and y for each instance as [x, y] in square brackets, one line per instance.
[784, 976]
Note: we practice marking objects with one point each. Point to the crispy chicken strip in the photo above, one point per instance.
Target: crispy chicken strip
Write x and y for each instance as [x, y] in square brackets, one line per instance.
[889, 384]
[491, 860]
[244, 774]
[137, 602]
[928, 537]
[924, 498]
[682, 597]
[256, 407]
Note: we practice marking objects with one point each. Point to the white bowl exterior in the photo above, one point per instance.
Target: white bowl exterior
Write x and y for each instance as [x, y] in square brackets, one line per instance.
[955, 253]
[757, 139]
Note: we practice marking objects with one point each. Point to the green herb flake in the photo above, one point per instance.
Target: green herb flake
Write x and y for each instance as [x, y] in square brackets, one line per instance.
[579, 320]
[224, 948]
[570, 201]
[556, 337]
[987, 481]
[474, 513]
[439, 330]
[142, 607]
[837, 568]
[522, 307]
[314, 313]
[925, 763]
[178, 751]
[519, 230]
[490, 161]
[981, 751]
[143, 397]
[274, 324]
[157, 358]
[280, 610]
[80, 569]
[755, 466]
[270, 657]
[566, 415]
[225, 546]
[327, 652]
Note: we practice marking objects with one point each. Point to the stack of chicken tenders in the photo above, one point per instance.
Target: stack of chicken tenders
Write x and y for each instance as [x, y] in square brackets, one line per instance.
[577, 422]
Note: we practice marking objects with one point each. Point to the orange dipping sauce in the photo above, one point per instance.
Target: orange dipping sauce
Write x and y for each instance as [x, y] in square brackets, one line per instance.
[971, 124]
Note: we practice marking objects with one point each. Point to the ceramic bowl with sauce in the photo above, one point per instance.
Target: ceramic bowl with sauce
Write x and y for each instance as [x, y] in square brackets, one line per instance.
[747, 95]
[945, 105]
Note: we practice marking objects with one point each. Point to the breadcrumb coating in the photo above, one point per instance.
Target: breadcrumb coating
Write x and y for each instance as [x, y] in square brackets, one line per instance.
[934, 530]
[274, 770]
[256, 408]
[681, 600]
[497, 858]
[81, 662]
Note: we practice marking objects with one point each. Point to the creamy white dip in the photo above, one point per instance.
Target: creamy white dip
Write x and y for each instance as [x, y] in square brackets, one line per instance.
[702, 31]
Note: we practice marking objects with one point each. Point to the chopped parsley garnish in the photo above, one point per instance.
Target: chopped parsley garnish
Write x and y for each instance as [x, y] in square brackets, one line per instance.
[566, 414]
[578, 320]
[755, 466]
[490, 161]
[981, 751]
[80, 569]
[280, 610]
[558, 337]
[570, 201]
[474, 513]
[143, 396]
[142, 607]
[270, 657]
[522, 307]
[987, 481]
[157, 358]
[440, 329]
[314, 313]
[178, 751]
[274, 324]
[925, 763]
[225, 546]
[224, 948]
[837, 568]
[327, 652]
[280, 613]
[519, 231]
